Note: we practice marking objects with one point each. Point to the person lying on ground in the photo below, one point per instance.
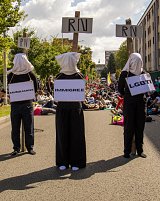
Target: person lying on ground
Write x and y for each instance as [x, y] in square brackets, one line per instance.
[39, 110]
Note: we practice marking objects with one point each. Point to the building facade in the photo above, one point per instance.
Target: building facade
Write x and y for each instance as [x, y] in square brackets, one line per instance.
[149, 45]
[99, 68]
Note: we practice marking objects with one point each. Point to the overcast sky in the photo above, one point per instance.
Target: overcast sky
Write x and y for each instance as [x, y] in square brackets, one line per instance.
[46, 17]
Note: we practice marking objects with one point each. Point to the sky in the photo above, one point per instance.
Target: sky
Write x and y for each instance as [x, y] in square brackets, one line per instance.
[45, 16]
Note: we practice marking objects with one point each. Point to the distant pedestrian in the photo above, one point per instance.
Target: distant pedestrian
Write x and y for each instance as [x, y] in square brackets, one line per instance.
[50, 85]
[134, 107]
[22, 110]
[70, 134]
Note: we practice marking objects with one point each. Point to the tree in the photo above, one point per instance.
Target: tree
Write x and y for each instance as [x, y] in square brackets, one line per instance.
[104, 72]
[85, 64]
[10, 14]
[111, 64]
[121, 56]
[42, 55]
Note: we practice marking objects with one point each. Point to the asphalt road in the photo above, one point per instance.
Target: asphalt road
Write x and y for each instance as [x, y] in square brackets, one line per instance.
[107, 177]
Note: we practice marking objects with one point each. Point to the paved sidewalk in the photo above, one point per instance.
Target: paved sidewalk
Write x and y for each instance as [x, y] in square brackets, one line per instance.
[107, 177]
[4, 119]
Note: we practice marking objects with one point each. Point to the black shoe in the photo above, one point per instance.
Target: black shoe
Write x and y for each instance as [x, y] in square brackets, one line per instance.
[15, 153]
[142, 155]
[31, 152]
[126, 156]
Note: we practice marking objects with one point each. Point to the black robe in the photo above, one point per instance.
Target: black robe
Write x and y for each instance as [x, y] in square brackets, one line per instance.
[134, 115]
[70, 131]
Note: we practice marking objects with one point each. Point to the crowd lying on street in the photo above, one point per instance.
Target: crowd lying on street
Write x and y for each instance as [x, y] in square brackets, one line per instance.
[99, 96]
[128, 108]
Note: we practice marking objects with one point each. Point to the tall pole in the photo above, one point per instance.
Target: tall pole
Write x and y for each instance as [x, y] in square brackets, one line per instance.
[129, 40]
[23, 148]
[75, 35]
[5, 71]
[25, 35]
[130, 50]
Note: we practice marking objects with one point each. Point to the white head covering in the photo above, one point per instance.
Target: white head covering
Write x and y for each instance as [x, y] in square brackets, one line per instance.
[134, 64]
[21, 65]
[68, 62]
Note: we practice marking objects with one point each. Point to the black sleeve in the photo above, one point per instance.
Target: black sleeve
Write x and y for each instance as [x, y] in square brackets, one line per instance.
[35, 81]
[9, 77]
[122, 82]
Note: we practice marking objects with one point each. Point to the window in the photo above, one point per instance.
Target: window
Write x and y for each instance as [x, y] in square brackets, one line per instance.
[145, 59]
[149, 30]
[153, 26]
[157, 3]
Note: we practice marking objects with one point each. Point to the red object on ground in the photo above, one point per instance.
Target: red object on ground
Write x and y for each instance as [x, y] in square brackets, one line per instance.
[120, 102]
[37, 110]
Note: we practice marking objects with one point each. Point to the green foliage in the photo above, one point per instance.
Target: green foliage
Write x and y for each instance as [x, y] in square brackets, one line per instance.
[6, 42]
[85, 64]
[104, 72]
[42, 52]
[10, 14]
[42, 55]
[121, 56]
[111, 64]
[5, 110]
[1, 63]
[118, 72]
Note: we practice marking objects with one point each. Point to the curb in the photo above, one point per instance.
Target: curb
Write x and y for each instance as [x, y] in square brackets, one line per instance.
[4, 119]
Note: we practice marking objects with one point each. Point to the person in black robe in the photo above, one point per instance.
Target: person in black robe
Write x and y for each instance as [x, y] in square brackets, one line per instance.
[70, 129]
[134, 107]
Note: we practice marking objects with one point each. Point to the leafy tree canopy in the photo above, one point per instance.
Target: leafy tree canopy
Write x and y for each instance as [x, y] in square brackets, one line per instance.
[121, 56]
[86, 65]
[104, 72]
[111, 64]
[10, 14]
[42, 54]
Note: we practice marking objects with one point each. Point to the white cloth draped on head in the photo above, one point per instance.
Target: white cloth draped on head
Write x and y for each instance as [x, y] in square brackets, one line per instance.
[21, 65]
[68, 62]
[134, 64]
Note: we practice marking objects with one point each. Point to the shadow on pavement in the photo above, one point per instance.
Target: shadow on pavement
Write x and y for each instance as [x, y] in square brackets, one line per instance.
[8, 156]
[152, 131]
[27, 181]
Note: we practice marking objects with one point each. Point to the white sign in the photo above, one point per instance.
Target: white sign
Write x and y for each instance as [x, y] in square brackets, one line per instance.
[24, 42]
[140, 84]
[77, 25]
[129, 31]
[69, 90]
[21, 91]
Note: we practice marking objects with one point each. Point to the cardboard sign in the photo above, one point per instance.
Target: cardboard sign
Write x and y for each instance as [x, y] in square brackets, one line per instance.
[140, 84]
[24, 42]
[21, 91]
[129, 31]
[77, 25]
[69, 90]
